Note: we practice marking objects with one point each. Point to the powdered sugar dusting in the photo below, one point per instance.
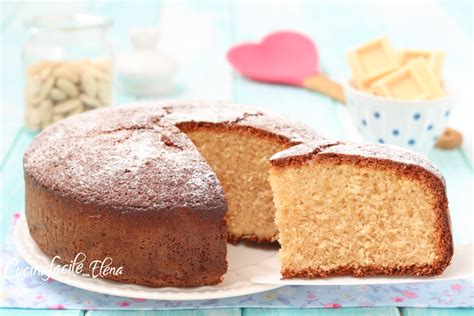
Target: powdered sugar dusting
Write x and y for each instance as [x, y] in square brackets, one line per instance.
[223, 112]
[384, 152]
[127, 166]
[369, 150]
[134, 158]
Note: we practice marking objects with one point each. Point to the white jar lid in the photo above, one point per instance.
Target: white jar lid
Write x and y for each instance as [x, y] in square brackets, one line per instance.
[145, 71]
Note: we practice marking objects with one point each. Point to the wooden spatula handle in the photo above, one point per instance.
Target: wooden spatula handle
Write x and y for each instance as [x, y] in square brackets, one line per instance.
[326, 86]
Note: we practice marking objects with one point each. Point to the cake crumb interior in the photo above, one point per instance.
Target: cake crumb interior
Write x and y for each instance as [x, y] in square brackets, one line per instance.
[342, 215]
[241, 161]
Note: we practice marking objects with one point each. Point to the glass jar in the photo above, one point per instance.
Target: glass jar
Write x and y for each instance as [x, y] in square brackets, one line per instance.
[68, 65]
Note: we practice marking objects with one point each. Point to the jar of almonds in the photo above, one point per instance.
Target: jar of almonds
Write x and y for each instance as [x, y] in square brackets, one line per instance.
[68, 63]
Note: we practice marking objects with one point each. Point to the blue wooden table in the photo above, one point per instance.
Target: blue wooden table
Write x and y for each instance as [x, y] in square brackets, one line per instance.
[198, 34]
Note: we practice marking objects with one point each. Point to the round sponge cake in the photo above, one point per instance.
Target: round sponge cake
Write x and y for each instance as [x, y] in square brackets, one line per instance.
[128, 183]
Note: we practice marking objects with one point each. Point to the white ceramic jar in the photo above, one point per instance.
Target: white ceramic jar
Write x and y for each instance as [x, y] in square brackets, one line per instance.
[68, 64]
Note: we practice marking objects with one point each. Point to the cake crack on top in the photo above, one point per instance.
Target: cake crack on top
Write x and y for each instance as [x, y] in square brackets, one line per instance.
[247, 115]
[168, 142]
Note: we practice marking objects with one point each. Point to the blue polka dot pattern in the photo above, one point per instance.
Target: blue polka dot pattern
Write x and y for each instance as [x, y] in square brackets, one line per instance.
[396, 134]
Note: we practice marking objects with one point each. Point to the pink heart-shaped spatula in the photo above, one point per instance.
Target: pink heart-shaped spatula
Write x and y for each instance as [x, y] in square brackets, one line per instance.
[285, 58]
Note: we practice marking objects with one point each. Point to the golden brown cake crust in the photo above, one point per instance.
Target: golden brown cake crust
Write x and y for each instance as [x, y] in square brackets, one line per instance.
[175, 247]
[258, 132]
[405, 163]
[233, 239]
[231, 115]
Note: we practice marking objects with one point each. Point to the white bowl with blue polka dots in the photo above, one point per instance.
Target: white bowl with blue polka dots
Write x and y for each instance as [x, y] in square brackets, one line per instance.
[412, 124]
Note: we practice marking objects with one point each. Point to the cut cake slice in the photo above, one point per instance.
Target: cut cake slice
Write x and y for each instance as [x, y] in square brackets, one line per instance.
[359, 210]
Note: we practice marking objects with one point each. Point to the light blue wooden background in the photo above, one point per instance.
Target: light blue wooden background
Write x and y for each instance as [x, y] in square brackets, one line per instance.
[198, 34]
